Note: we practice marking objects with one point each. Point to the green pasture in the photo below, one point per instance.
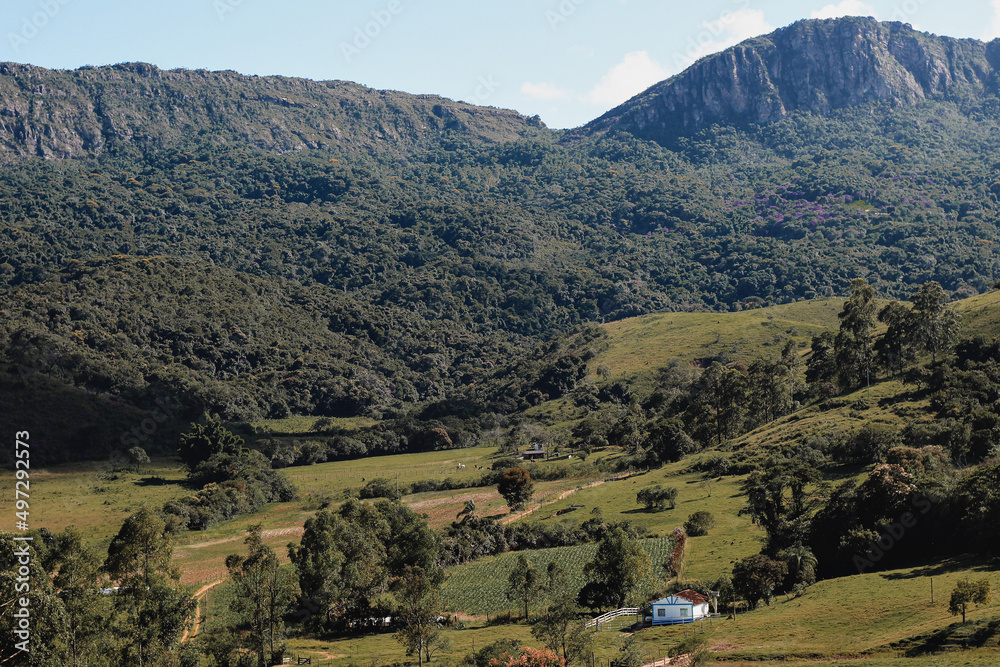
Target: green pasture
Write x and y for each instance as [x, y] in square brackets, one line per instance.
[480, 587]
[93, 497]
[97, 499]
[708, 556]
[638, 346]
[846, 616]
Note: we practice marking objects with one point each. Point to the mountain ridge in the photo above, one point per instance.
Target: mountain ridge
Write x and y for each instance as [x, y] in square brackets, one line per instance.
[90, 110]
[816, 66]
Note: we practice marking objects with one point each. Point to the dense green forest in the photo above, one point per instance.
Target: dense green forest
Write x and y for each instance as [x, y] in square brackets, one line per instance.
[249, 284]
[184, 255]
[255, 247]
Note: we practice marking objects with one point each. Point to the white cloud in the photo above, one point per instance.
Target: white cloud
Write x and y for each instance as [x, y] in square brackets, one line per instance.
[994, 30]
[634, 74]
[546, 92]
[845, 8]
[729, 29]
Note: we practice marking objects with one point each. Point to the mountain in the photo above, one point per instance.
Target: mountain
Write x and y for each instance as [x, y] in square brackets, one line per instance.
[257, 247]
[813, 66]
[136, 106]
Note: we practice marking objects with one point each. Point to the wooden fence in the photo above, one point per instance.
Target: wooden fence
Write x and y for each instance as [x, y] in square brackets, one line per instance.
[603, 619]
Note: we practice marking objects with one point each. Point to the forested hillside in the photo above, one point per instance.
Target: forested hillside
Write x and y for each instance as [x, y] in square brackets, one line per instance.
[748, 324]
[257, 247]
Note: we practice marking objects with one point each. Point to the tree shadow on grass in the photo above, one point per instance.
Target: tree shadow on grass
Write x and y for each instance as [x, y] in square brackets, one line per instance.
[945, 566]
[643, 510]
[957, 636]
[154, 480]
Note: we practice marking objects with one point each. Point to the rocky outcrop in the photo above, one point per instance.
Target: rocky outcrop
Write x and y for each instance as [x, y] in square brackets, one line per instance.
[139, 107]
[815, 66]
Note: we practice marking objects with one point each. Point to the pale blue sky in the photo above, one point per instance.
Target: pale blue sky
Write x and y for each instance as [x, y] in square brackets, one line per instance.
[566, 60]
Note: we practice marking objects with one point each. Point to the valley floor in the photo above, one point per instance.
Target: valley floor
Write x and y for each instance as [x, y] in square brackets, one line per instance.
[884, 619]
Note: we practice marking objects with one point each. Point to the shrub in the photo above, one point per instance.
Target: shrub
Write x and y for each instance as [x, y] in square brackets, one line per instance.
[868, 445]
[716, 465]
[657, 498]
[699, 524]
[505, 463]
[379, 487]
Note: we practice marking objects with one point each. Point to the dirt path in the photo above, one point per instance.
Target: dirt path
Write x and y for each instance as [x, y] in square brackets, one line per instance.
[277, 532]
[199, 594]
[565, 494]
[680, 661]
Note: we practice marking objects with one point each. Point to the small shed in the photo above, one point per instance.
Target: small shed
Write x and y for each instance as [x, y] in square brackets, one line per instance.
[683, 607]
[536, 452]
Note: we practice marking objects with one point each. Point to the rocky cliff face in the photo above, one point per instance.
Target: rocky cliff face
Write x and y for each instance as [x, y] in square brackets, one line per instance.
[139, 107]
[815, 66]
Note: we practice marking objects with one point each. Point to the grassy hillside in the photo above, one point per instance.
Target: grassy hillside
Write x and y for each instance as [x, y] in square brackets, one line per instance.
[638, 346]
[709, 556]
[980, 314]
[848, 616]
[481, 587]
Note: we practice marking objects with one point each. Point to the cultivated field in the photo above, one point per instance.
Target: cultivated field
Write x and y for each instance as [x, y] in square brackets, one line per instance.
[480, 587]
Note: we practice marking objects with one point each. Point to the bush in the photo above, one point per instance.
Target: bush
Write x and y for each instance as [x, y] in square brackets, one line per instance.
[234, 484]
[495, 652]
[379, 487]
[868, 445]
[699, 524]
[715, 465]
[657, 498]
[695, 647]
[505, 463]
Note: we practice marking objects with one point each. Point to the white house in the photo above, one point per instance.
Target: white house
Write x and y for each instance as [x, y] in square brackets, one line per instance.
[684, 607]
